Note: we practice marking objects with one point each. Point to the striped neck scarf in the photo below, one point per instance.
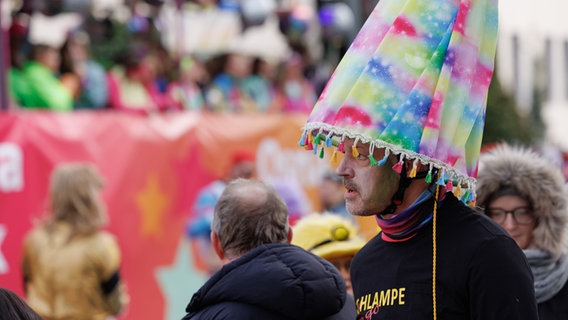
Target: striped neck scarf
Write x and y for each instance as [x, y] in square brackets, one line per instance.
[406, 224]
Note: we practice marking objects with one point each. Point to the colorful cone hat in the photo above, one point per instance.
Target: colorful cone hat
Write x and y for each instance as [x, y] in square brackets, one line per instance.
[414, 82]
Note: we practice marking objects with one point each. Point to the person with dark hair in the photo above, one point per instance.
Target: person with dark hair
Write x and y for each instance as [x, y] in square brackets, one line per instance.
[525, 194]
[70, 266]
[76, 62]
[39, 85]
[133, 84]
[234, 89]
[263, 275]
[294, 92]
[406, 108]
[186, 92]
[12, 307]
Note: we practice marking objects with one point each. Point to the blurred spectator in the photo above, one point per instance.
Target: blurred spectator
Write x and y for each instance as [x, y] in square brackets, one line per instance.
[19, 42]
[37, 84]
[76, 60]
[520, 182]
[199, 226]
[186, 93]
[166, 67]
[70, 266]
[133, 84]
[295, 93]
[232, 90]
[331, 195]
[261, 83]
[108, 36]
[142, 23]
[18, 88]
[15, 308]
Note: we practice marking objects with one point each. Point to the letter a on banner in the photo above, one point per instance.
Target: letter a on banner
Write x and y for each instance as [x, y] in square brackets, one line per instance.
[11, 172]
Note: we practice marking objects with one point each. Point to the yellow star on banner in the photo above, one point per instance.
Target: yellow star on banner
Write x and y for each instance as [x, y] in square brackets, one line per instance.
[152, 203]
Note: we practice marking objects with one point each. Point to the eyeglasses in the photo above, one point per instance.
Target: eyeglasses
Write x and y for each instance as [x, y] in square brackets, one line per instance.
[521, 215]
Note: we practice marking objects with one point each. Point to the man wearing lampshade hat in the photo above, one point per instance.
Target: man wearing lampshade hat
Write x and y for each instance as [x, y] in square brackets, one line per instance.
[405, 110]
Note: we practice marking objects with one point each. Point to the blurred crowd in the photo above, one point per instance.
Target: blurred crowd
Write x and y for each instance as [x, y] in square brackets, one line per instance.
[440, 248]
[104, 63]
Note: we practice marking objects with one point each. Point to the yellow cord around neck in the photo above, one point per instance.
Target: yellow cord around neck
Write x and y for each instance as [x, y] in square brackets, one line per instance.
[434, 250]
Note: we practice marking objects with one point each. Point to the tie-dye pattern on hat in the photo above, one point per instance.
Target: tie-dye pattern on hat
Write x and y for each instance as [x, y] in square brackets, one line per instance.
[414, 81]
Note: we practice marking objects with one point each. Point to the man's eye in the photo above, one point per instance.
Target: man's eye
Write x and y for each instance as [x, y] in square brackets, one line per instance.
[362, 156]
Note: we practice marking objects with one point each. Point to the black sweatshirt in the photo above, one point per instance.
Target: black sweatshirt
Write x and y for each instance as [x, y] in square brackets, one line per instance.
[481, 272]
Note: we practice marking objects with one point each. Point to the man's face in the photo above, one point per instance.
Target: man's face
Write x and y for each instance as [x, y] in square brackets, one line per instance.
[369, 189]
[239, 66]
[51, 59]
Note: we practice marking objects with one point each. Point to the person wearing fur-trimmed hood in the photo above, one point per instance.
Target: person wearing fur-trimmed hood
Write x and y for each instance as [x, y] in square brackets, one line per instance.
[519, 181]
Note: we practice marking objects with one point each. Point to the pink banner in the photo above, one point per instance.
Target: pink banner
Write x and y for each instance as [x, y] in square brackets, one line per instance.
[154, 167]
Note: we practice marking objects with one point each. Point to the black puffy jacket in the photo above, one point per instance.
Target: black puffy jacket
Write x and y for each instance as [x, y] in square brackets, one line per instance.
[273, 281]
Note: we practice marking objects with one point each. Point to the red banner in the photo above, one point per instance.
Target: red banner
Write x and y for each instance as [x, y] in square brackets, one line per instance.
[154, 167]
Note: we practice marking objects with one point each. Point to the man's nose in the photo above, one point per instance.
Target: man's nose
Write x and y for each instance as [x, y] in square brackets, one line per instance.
[509, 223]
[343, 169]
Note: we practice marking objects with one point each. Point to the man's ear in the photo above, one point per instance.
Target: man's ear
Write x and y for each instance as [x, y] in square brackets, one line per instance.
[290, 234]
[217, 245]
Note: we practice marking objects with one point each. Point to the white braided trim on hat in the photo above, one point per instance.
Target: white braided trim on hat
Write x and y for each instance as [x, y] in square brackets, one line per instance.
[447, 172]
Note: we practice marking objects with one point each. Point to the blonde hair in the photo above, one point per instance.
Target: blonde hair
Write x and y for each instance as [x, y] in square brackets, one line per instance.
[74, 197]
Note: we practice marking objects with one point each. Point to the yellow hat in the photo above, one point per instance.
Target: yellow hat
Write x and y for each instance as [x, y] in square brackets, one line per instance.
[327, 235]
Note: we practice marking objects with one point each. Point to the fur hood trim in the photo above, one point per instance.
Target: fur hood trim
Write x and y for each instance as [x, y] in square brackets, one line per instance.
[538, 180]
